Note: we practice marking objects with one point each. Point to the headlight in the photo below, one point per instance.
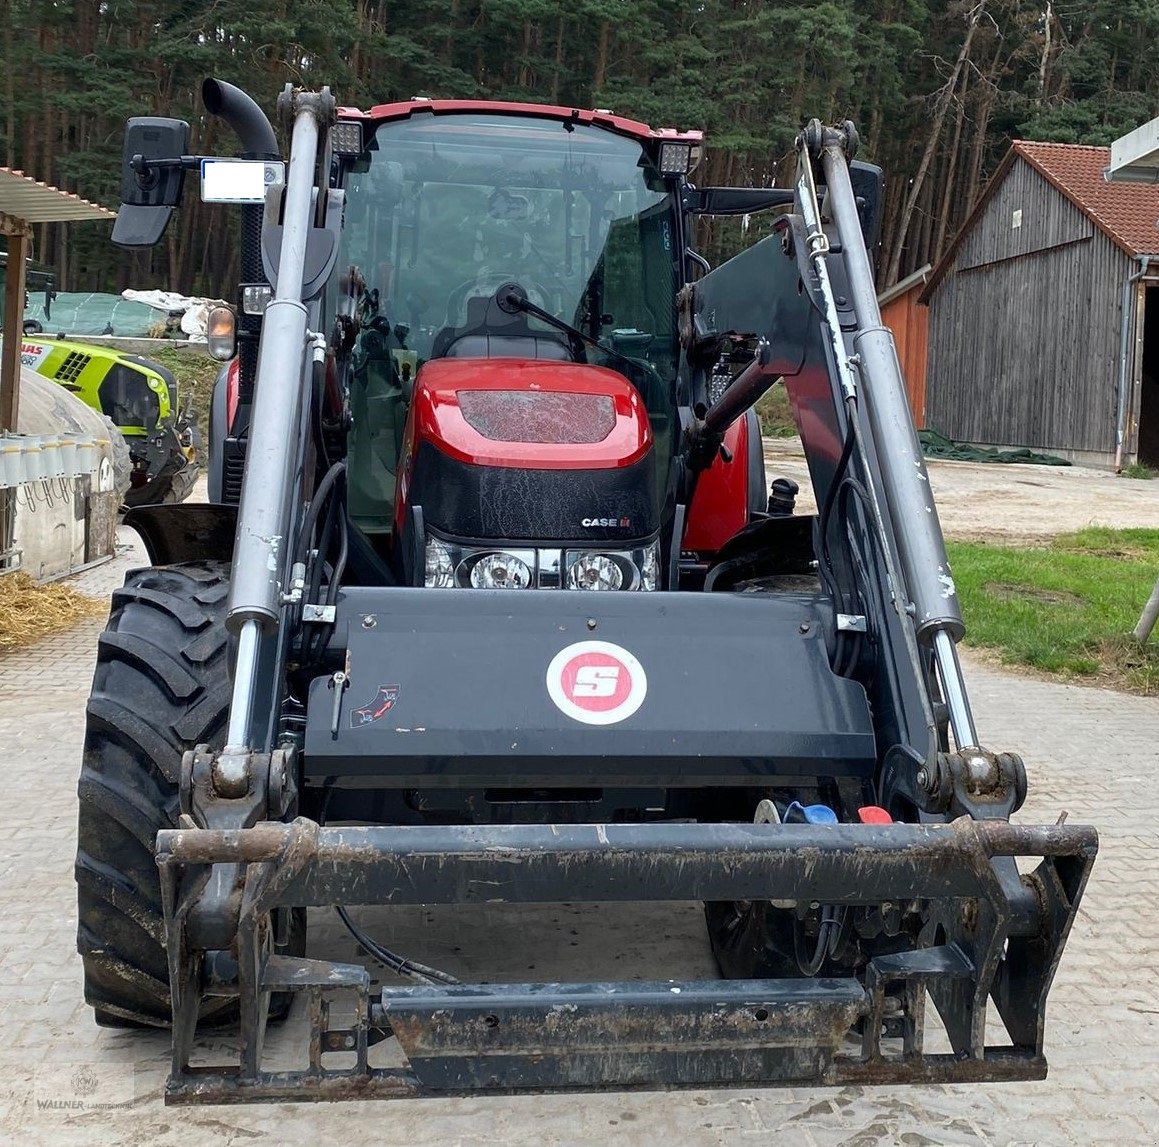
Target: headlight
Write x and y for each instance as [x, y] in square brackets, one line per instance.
[449, 564]
[594, 571]
[500, 571]
[440, 568]
[615, 569]
[650, 568]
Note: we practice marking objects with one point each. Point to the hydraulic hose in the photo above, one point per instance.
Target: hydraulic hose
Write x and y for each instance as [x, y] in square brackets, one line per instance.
[398, 964]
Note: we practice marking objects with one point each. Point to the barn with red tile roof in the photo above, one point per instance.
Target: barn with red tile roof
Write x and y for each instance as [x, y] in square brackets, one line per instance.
[1044, 312]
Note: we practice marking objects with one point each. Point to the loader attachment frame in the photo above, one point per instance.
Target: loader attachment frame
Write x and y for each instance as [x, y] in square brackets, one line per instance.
[979, 944]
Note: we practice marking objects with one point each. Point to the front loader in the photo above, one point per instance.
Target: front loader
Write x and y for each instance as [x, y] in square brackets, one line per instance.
[497, 608]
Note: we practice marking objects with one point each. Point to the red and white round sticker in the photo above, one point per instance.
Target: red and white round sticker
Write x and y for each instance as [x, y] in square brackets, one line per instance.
[596, 682]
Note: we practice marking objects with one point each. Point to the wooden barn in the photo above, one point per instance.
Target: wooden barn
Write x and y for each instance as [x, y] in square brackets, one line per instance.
[904, 313]
[1044, 312]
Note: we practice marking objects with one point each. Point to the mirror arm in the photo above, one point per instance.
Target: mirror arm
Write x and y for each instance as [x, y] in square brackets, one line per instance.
[143, 166]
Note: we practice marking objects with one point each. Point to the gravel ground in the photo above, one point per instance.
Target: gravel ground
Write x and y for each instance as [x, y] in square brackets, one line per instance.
[1007, 501]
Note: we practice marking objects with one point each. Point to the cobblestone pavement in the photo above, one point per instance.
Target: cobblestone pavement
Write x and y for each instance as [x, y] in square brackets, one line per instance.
[1089, 751]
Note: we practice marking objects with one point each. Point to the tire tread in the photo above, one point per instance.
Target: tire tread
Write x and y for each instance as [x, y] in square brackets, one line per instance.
[160, 687]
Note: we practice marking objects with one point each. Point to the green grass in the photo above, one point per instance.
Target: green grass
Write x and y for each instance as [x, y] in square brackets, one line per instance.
[1067, 608]
[776, 418]
[1137, 470]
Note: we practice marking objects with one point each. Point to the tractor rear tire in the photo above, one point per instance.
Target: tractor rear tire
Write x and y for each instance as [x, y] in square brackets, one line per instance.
[161, 687]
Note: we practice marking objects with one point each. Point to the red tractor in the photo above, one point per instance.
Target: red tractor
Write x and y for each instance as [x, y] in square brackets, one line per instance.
[492, 604]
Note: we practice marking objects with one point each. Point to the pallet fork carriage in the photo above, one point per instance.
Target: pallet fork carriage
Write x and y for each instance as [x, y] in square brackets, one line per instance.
[508, 1037]
[765, 726]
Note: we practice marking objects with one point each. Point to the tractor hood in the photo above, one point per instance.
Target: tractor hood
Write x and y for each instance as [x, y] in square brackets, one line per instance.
[530, 414]
[478, 426]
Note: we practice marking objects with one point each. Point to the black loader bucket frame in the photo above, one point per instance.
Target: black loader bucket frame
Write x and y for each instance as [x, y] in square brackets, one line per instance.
[987, 933]
[510, 1037]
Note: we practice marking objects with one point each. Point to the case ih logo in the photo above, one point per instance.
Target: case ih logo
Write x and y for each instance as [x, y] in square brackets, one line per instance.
[596, 682]
[379, 707]
[621, 523]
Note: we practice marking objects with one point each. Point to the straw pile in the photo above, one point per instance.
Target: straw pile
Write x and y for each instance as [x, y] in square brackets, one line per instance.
[29, 611]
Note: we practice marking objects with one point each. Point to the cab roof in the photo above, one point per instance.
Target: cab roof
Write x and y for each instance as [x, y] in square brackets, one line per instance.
[597, 118]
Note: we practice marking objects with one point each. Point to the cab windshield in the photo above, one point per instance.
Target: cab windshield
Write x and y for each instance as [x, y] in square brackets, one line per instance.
[449, 208]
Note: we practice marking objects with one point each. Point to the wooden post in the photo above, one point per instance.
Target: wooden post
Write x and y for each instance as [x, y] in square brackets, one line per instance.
[1149, 616]
[19, 235]
[1135, 394]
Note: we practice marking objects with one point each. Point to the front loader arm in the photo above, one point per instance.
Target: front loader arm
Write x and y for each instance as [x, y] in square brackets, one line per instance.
[805, 296]
[273, 485]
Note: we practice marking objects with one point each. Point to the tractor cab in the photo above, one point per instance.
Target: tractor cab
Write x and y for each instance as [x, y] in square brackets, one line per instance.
[509, 276]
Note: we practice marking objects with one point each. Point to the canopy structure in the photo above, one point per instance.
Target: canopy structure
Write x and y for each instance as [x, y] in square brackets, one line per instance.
[23, 202]
[1135, 156]
[1135, 159]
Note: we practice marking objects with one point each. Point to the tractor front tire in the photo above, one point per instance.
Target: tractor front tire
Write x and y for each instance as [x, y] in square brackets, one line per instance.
[181, 484]
[161, 687]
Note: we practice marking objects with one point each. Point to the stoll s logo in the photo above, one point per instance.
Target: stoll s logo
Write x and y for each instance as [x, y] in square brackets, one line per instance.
[596, 682]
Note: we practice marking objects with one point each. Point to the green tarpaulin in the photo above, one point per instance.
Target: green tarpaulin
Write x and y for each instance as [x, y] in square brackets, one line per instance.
[935, 445]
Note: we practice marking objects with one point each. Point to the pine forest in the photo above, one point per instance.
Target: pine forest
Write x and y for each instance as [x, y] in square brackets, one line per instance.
[938, 88]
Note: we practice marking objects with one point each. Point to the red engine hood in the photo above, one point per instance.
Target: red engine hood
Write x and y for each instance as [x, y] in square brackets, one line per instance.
[528, 413]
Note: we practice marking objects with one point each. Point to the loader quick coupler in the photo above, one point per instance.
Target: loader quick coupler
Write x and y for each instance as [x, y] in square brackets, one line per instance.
[229, 789]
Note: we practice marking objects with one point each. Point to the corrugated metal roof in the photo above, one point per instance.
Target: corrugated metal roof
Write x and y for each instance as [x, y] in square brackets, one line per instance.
[35, 202]
[917, 279]
[1128, 213]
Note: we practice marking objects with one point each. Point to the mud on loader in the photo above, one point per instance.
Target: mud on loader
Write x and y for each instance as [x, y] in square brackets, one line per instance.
[505, 615]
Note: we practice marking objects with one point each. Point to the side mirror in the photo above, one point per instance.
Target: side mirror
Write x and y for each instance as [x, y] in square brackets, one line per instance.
[151, 178]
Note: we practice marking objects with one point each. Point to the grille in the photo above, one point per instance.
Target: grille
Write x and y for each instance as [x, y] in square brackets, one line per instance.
[234, 467]
[75, 361]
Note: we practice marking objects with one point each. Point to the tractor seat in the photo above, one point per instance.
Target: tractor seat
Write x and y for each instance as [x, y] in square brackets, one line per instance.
[508, 346]
[492, 333]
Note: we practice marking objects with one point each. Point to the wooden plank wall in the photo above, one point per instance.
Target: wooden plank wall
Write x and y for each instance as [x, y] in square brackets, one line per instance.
[909, 321]
[1024, 328]
[1049, 219]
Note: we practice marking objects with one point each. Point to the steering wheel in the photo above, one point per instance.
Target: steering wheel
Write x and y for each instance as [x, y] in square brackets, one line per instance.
[485, 285]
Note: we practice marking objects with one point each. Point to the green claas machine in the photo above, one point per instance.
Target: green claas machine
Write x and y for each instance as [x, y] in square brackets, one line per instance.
[495, 608]
[138, 395]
